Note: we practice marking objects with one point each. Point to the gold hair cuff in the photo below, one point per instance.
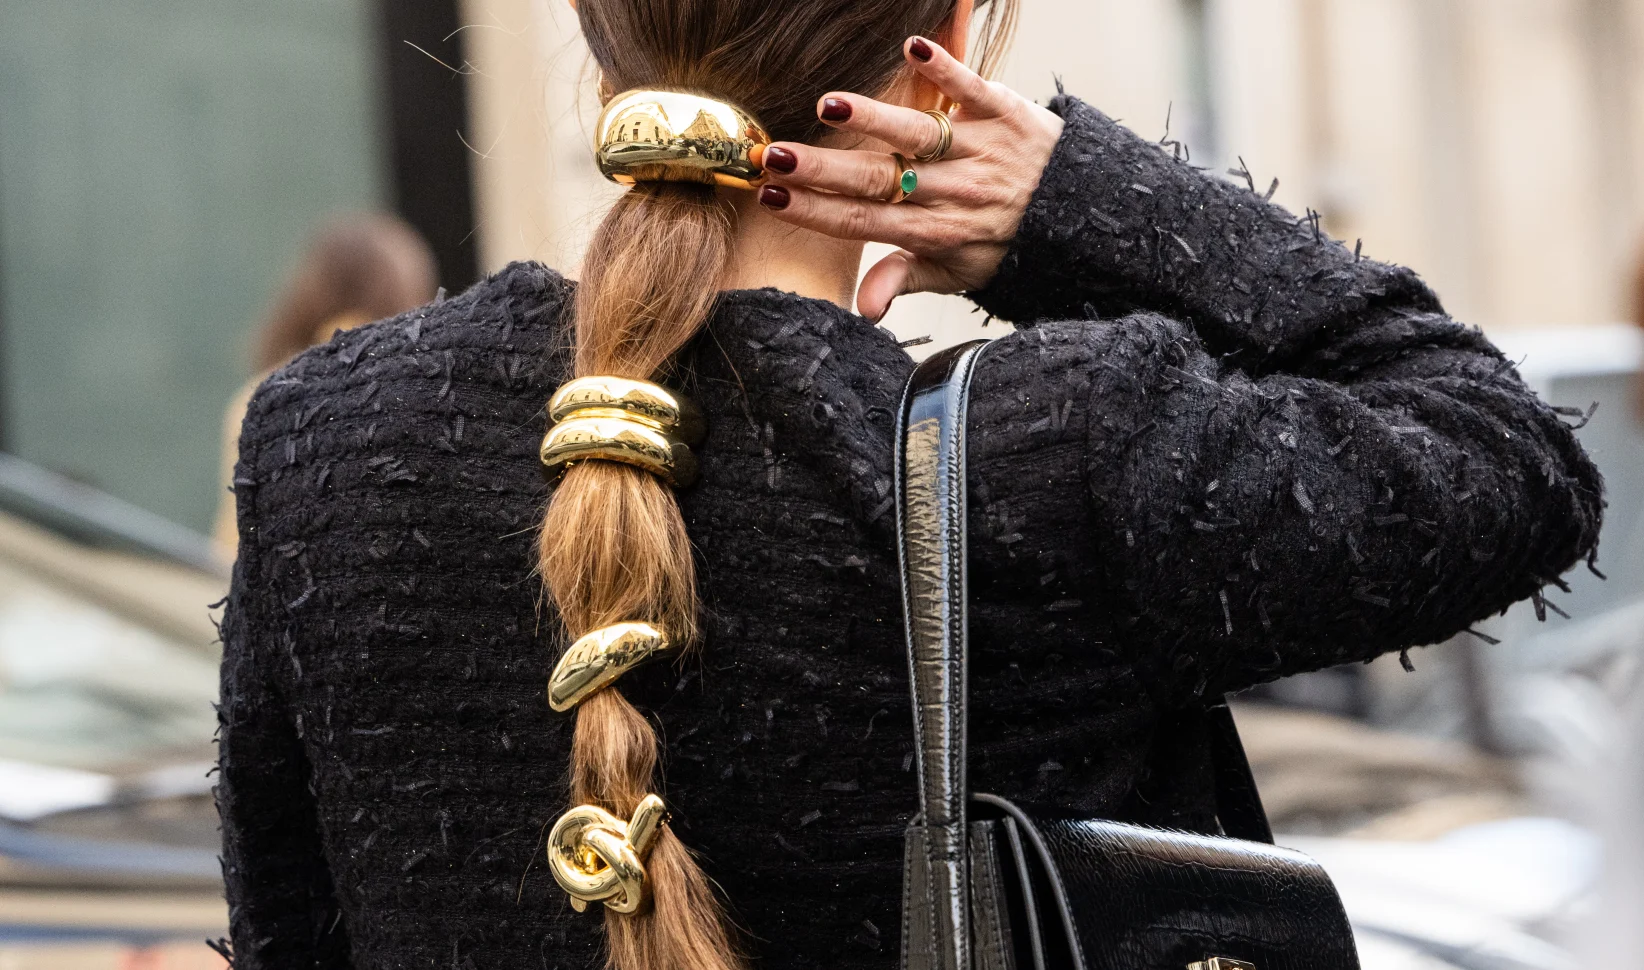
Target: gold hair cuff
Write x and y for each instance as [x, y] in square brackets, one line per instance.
[598, 858]
[622, 439]
[617, 397]
[596, 660]
[671, 136]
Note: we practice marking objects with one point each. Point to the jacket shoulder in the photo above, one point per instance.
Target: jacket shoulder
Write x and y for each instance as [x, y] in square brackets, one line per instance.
[459, 379]
[514, 316]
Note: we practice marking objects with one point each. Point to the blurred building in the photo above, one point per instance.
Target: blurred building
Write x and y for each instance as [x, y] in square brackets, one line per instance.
[1491, 144]
[161, 161]
[160, 164]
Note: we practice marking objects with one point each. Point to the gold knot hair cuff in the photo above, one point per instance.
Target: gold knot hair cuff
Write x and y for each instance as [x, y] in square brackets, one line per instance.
[618, 419]
[596, 660]
[674, 136]
[598, 858]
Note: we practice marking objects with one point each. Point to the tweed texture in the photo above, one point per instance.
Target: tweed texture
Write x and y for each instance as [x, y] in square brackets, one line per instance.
[1219, 449]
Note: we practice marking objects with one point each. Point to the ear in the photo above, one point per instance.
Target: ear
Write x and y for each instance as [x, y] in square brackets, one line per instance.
[954, 34]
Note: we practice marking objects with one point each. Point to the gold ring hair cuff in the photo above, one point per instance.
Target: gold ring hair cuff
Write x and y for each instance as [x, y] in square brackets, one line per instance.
[616, 397]
[596, 660]
[671, 136]
[944, 141]
[598, 858]
[622, 439]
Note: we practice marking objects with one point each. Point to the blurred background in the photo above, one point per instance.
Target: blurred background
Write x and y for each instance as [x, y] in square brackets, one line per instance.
[191, 191]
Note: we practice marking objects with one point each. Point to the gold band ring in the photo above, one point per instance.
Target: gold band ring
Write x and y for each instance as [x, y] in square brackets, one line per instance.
[944, 140]
[906, 179]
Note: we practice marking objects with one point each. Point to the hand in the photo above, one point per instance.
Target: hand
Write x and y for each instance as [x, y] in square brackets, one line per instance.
[953, 229]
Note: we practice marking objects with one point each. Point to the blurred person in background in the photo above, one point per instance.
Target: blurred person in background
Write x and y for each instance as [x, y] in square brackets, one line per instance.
[1218, 449]
[358, 268]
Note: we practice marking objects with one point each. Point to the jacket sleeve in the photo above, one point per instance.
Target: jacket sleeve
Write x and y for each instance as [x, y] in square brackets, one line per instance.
[282, 910]
[1292, 457]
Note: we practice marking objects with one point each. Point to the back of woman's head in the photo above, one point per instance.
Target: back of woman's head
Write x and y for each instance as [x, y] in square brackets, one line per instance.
[358, 268]
[613, 545]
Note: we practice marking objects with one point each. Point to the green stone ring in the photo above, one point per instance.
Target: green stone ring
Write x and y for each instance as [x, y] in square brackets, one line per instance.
[906, 179]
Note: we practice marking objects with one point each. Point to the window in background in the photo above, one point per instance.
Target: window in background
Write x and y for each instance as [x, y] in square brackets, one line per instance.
[160, 162]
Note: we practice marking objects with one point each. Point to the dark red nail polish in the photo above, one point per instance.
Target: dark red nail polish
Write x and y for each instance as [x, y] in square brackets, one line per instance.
[834, 109]
[919, 48]
[774, 196]
[780, 160]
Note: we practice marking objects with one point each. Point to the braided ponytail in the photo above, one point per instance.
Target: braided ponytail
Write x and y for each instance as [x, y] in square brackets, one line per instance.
[613, 545]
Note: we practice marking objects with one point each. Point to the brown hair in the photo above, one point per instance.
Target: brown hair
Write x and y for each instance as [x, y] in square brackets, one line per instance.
[613, 545]
[358, 268]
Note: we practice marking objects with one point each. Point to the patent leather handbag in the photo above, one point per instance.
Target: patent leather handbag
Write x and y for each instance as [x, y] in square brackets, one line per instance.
[992, 885]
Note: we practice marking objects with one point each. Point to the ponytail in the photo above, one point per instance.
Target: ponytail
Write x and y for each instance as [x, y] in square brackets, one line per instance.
[614, 547]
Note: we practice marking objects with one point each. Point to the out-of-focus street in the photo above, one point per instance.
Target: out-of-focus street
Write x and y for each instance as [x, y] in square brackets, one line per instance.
[173, 175]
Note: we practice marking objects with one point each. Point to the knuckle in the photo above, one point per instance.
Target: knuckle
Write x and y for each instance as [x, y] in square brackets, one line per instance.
[970, 193]
[947, 235]
[865, 115]
[866, 181]
[855, 222]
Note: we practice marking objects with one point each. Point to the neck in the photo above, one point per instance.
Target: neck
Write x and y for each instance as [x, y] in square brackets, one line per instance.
[770, 252]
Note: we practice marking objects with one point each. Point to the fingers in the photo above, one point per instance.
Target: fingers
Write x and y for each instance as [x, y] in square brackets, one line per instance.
[900, 272]
[843, 216]
[905, 129]
[864, 174]
[954, 79]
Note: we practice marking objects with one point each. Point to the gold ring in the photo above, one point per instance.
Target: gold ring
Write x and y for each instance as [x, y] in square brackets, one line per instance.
[906, 179]
[944, 141]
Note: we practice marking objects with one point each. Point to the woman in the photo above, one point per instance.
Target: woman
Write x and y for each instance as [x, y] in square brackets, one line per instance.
[358, 268]
[1219, 449]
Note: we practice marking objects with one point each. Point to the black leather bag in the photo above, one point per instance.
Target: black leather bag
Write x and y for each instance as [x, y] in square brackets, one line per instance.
[990, 885]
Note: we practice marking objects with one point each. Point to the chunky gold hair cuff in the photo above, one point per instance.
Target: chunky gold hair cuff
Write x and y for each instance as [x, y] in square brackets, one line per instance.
[620, 419]
[622, 440]
[596, 660]
[672, 136]
[616, 397]
[598, 858]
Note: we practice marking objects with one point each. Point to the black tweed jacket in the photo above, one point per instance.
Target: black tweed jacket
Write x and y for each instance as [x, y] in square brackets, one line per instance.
[1219, 448]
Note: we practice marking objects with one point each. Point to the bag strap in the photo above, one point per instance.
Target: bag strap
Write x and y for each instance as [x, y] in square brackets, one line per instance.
[930, 520]
[1238, 803]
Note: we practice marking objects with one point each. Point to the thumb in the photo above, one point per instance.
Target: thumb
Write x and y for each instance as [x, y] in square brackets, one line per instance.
[898, 273]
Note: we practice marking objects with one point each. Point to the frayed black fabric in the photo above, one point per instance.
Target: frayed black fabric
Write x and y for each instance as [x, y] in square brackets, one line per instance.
[1219, 449]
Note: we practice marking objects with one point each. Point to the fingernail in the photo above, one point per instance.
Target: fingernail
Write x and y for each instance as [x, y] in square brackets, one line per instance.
[919, 48]
[834, 109]
[774, 197]
[780, 160]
